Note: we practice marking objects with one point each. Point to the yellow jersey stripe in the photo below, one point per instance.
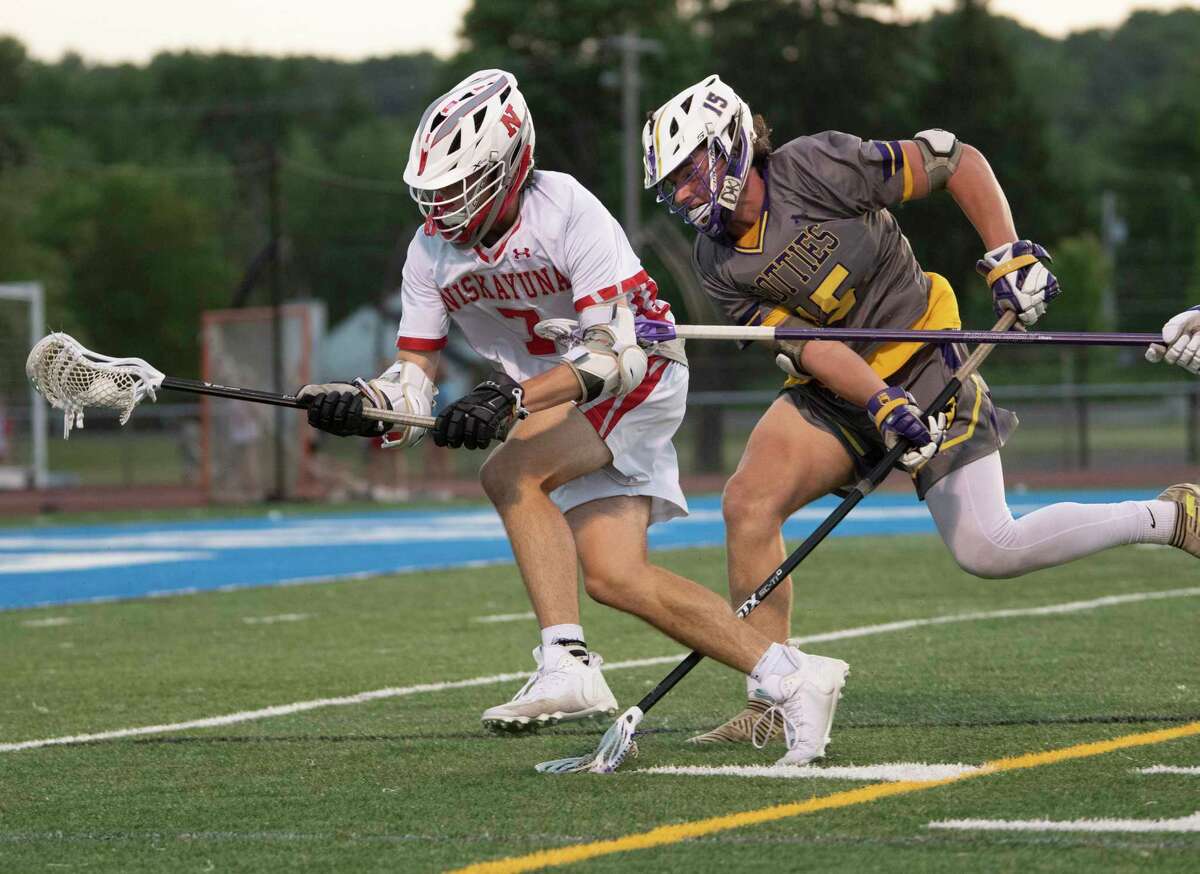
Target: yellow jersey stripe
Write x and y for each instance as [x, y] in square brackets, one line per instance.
[751, 242]
[940, 313]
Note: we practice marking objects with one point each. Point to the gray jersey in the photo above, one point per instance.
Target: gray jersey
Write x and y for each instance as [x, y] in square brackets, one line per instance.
[825, 247]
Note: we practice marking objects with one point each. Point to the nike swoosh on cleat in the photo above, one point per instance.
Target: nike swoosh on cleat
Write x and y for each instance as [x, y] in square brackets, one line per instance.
[1151, 512]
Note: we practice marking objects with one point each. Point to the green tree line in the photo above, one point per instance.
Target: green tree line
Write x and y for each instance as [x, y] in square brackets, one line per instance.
[140, 194]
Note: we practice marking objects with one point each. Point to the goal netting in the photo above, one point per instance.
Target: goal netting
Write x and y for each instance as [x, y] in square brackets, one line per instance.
[23, 435]
[252, 451]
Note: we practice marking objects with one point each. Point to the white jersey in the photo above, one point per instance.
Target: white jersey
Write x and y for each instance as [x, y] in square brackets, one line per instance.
[565, 252]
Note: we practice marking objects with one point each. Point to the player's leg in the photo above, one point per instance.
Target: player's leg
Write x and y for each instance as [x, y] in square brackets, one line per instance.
[787, 463]
[548, 449]
[969, 508]
[610, 534]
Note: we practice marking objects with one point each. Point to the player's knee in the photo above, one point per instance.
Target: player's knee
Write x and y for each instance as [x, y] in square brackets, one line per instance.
[748, 505]
[612, 589]
[503, 483]
[987, 560]
[496, 485]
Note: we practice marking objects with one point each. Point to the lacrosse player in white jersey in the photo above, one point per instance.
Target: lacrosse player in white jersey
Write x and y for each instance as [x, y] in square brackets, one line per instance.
[802, 234]
[587, 464]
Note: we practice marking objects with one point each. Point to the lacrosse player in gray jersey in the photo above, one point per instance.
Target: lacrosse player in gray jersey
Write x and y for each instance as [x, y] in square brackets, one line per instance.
[802, 236]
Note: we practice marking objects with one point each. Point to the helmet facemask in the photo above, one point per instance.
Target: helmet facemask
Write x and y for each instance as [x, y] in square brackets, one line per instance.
[708, 116]
[725, 175]
[459, 211]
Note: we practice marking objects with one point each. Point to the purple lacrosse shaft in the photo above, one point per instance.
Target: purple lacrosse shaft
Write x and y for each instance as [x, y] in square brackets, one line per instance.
[652, 331]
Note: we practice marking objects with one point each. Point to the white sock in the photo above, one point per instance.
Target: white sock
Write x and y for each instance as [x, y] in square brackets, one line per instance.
[560, 639]
[1158, 522]
[778, 659]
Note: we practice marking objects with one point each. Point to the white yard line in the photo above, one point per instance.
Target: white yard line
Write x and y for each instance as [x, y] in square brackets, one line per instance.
[890, 772]
[48, 622]
[1168, 769]
[47, 562]
[1182, 824]
[401, 691]
[506, 617]
[271, 620]
[1048, 610]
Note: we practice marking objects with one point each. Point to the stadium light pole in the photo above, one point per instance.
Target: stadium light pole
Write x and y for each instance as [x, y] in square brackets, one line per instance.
[631, 47]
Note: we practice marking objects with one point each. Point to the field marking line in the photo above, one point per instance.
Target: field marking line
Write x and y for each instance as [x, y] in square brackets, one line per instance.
[1048, 610]
[505, 617]
[887, 772]
[673, 834]
[1169, 769]
[1180, 824]
[401, 691]
[272, 620]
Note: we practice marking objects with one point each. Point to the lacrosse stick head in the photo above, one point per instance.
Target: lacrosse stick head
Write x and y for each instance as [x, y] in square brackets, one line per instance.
[73, 378]
[616, 746]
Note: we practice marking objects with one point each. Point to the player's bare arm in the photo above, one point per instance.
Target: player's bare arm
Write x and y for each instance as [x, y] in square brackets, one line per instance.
[1015, 270]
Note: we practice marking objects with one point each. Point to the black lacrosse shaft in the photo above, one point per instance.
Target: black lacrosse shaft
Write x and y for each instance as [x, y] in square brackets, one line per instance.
[195, 386]
[860, 490]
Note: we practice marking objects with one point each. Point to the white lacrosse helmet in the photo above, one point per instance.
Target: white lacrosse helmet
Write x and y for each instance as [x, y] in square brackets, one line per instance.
[472, 152]
[709, 114]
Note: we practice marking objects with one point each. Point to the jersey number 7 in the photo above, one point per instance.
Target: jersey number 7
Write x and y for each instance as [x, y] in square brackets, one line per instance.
[535, 345]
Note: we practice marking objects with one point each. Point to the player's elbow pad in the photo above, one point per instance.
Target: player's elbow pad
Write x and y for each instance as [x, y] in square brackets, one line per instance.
[608, 361]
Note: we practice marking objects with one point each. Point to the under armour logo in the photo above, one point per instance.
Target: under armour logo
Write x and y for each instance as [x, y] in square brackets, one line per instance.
[521, 253]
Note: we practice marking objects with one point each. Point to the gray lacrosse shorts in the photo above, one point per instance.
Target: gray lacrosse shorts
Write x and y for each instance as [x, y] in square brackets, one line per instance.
[977, 427]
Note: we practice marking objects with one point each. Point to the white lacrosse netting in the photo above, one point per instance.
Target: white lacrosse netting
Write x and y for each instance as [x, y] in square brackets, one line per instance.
[72, 378]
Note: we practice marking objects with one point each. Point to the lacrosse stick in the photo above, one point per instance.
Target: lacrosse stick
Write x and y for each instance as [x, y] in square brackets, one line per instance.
[653, 331]
[73, 378]
[618, 742]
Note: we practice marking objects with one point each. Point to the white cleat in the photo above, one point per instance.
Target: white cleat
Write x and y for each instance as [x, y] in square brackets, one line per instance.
[563, 692]
[807, 699]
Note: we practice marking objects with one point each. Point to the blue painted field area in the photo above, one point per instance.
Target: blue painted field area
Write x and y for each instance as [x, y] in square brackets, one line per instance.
[65, 564]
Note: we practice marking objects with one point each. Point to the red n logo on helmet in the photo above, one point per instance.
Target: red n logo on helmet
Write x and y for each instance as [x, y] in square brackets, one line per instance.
[511, 123]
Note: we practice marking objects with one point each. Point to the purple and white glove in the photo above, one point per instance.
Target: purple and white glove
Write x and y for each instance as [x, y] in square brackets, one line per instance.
[1019, 279]
[1181, 342]
[897, 416]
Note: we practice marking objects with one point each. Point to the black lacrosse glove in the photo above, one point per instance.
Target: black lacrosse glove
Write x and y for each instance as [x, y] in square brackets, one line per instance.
[482, 415]
[336, 408]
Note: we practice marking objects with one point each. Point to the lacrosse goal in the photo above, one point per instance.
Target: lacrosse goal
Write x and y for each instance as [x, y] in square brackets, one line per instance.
[23, 453]
[245, 447]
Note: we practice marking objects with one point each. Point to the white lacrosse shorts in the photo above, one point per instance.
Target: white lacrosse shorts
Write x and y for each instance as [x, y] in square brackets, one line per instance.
[638, 428]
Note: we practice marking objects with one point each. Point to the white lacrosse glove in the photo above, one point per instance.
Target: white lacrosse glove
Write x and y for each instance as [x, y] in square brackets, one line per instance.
[1019, 279]
[405, 388]
[337, 407]
[1181, 342]
[897, 416]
